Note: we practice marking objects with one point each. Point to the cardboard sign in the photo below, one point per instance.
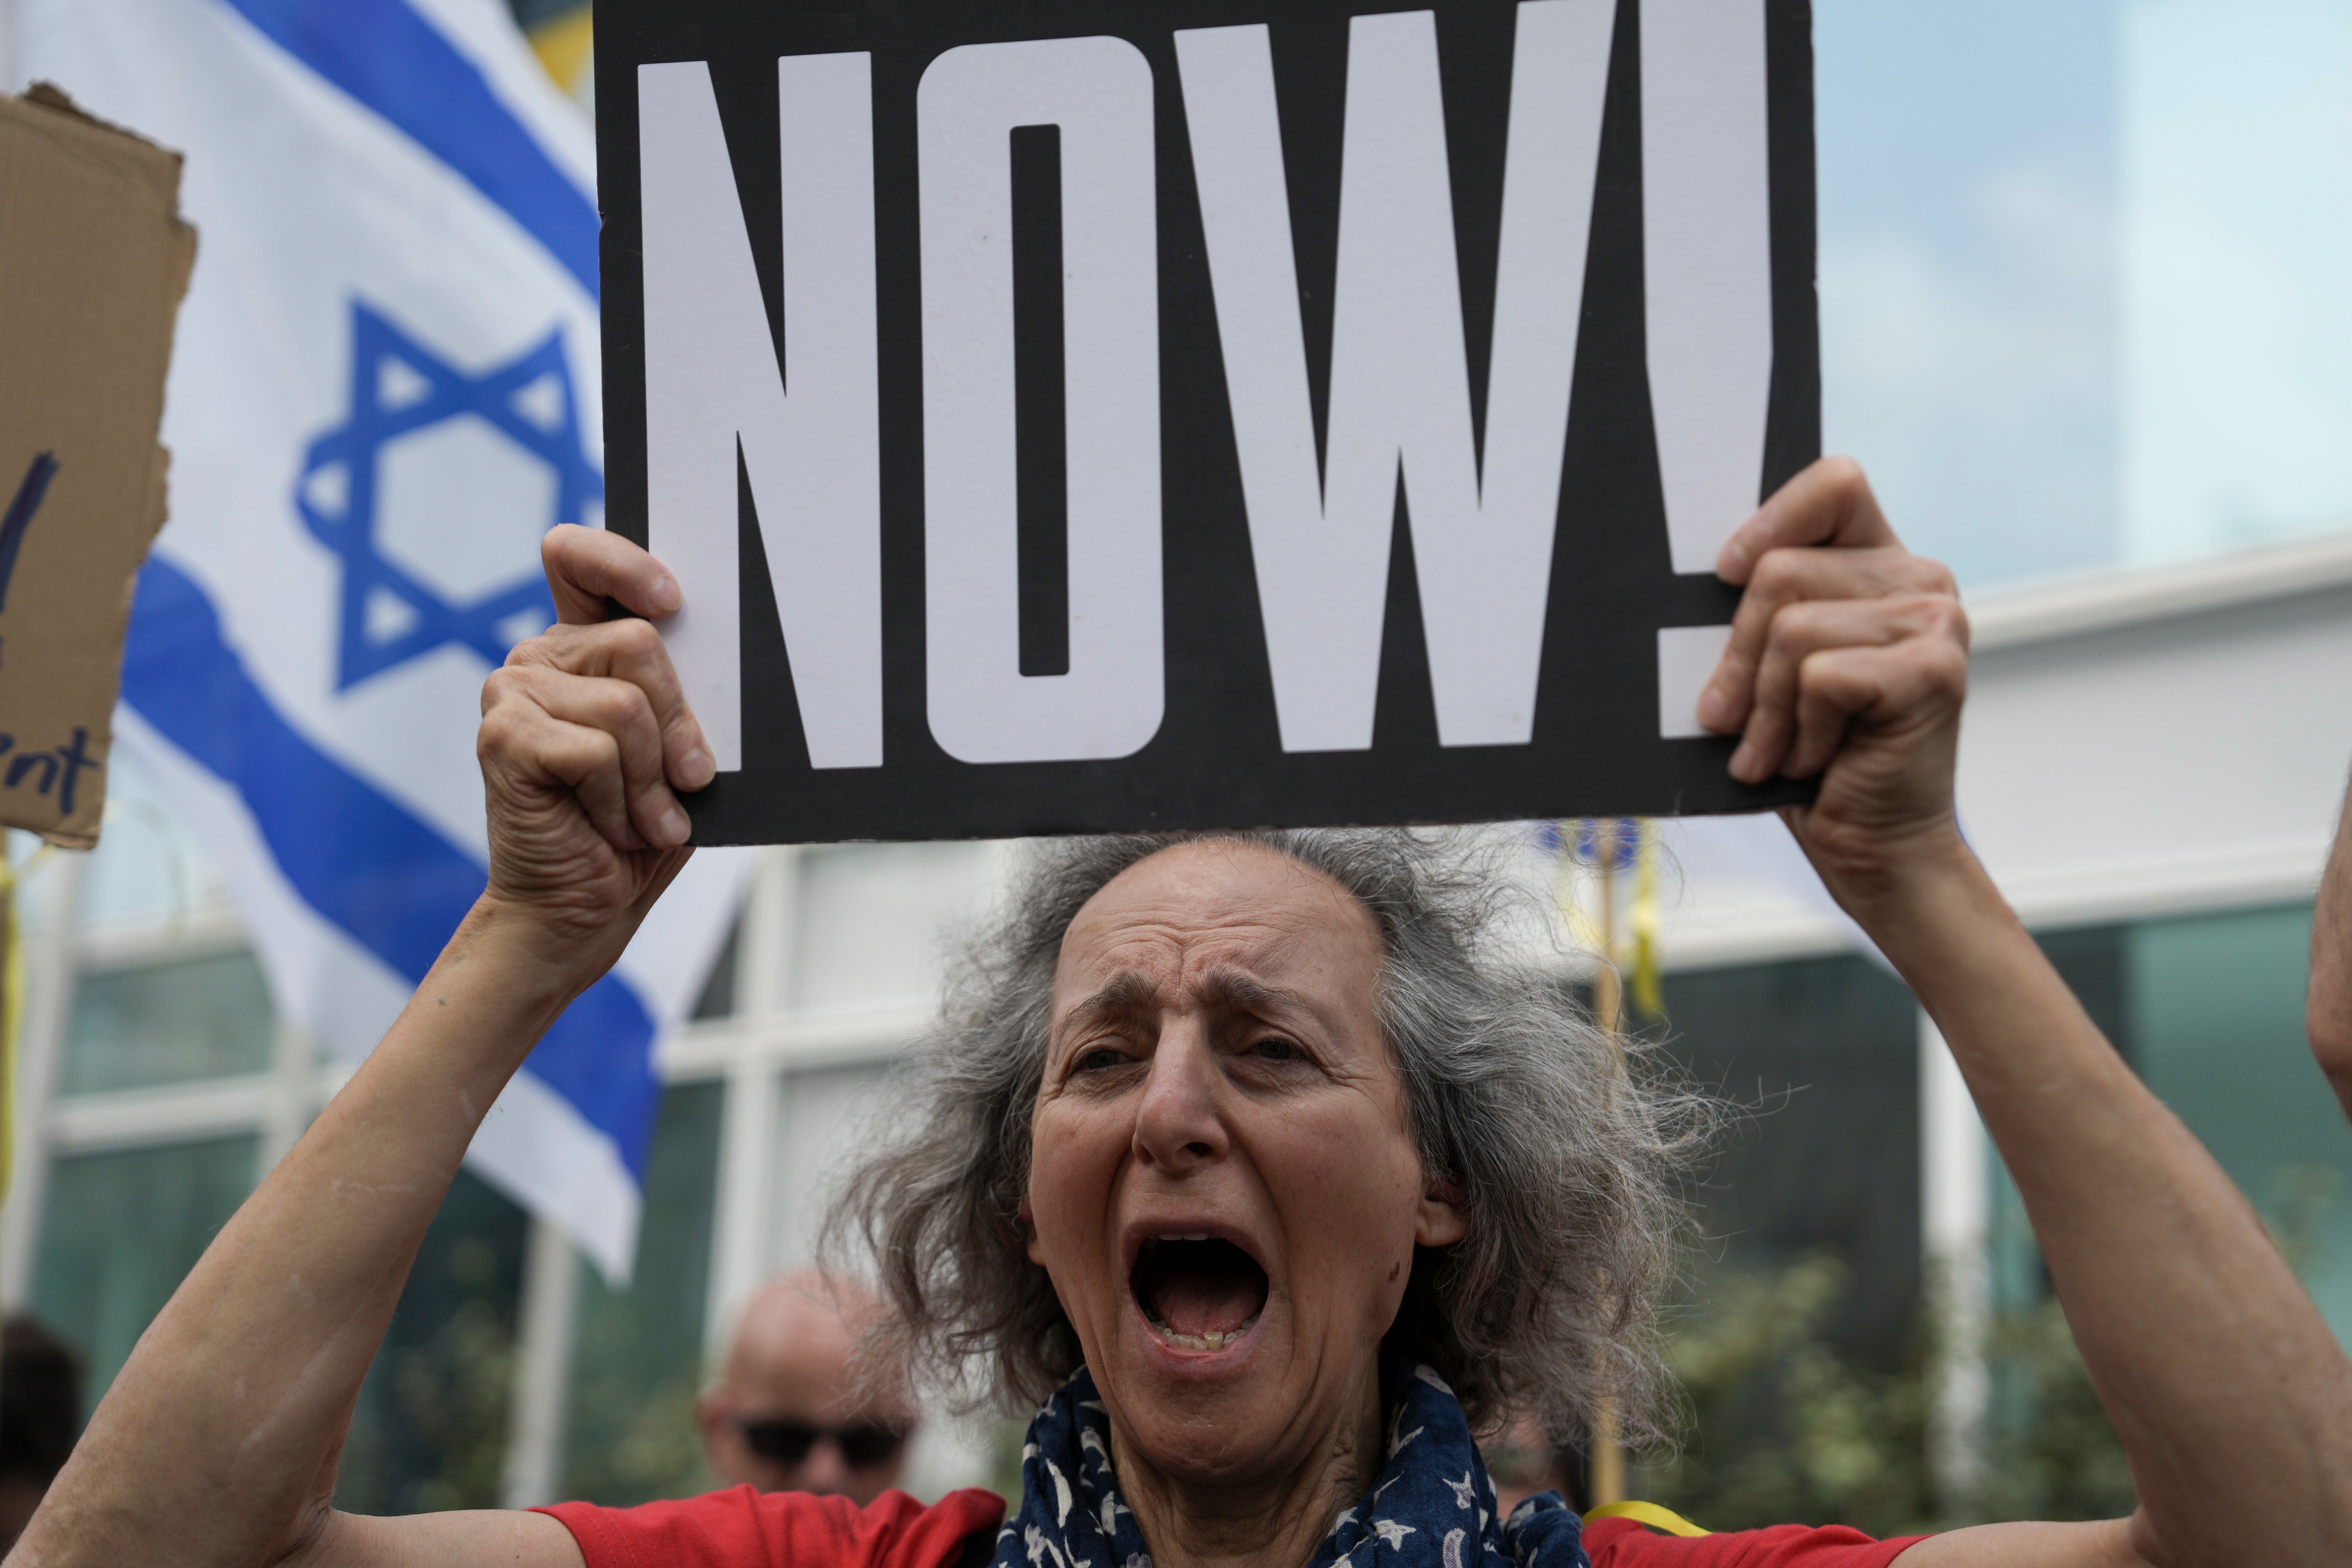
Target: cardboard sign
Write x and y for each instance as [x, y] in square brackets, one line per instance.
[93, 260]
[1089, 414]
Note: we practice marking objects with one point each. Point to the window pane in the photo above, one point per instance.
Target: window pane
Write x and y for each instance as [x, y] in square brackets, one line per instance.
[1800, 1321]
[1827, 1052]
[2081, 269]
[430, 1430]
[119, 1231]
[2236, 204]
[2217, 1022]
[168, 1022]
[1968, 277]
[147, 869]
[2209, 1011]
[637, 1357]
[824, 1118]
[871, 927]
[718, 997]
[2094, 962]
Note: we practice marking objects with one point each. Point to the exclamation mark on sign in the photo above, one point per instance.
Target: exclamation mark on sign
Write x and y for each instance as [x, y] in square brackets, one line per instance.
[20, 515]
[1707, 257]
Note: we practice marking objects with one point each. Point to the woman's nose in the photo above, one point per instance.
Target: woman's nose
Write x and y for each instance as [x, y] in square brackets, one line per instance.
[1178, 1126]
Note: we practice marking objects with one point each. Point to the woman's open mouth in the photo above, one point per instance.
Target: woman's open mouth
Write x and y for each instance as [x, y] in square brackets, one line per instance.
[1198, 1293]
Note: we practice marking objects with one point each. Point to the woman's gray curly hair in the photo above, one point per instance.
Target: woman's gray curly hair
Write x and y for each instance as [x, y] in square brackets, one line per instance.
[1568, 1161]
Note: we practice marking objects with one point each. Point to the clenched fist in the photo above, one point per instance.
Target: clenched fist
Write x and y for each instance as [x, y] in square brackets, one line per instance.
[585, 741]
[1848, 659]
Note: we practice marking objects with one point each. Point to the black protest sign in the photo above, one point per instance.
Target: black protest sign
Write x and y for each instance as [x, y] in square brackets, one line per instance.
[1087, 415]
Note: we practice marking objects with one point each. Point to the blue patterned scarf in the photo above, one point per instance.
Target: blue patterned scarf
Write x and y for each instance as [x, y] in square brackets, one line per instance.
[1432, 1505]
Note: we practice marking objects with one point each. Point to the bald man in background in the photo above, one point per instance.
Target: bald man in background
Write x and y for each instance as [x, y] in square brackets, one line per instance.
[788, 1415]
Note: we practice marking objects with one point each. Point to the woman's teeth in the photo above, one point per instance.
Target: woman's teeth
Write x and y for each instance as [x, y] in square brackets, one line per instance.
[1212, 1340]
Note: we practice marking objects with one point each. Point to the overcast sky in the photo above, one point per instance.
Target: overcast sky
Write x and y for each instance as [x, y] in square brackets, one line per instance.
[2086, 272]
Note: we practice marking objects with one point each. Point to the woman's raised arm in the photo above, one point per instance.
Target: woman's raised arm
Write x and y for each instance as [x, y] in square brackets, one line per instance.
[2230, 1397]
[219, 1441]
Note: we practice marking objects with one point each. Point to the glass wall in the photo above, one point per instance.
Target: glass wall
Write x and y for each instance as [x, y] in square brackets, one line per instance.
[2209, 1010]
[1803, 1343]
[150, 1024]
[430, 1429]
[1797, 1339]
[2236, 225]
[121, 1226]
[169, 1005]
[868, 922]
[2216, 1030]
[174, 1081]
[637, 1352]
[2081, 272]
[120, 1230]
[182, 1043]
[1821, 1056]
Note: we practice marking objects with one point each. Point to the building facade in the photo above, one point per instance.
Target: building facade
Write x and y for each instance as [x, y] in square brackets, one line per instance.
[2152, 766]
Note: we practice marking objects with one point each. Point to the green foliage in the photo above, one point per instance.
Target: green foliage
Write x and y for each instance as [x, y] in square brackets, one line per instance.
[1006, 1439]
[447, 1399]
[2306, 1197]
[1787, 1429]
[631, 1432]
[2050, 1452]
[628, 1445]
[1782, 1427]
[455, 1394]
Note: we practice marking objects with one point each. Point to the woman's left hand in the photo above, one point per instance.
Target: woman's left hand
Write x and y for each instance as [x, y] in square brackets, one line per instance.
[1848, 661]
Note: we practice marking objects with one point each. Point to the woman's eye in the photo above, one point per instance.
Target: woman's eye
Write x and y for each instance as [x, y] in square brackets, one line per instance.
[1275, 1048]
[1101, 1059]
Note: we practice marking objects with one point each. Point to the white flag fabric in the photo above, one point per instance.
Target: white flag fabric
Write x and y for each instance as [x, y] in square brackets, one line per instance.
[384, 391]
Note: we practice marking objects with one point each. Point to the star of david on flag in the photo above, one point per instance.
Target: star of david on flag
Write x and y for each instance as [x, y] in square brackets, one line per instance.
[404, 592]
[383, 392]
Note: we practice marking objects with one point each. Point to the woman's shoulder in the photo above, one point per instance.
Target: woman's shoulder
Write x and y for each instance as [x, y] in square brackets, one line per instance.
[741, 1528]
[1626, 1543]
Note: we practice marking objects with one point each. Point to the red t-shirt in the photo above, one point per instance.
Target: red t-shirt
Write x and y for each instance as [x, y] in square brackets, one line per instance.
[1624, 1544]
[746, 1529]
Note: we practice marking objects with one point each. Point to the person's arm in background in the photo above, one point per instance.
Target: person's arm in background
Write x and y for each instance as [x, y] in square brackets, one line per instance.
[2231, 1399]
[219, 1441]
[2328, 1010]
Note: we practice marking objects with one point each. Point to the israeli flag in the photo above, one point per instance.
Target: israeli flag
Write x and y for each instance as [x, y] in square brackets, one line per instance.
[384, 391]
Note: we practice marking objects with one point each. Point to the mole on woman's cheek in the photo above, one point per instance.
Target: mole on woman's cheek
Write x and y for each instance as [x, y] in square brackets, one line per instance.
[1392, 1269]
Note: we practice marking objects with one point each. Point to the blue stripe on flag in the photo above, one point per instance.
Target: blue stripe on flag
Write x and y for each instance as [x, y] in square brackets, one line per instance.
[361, 859]
[392, 60]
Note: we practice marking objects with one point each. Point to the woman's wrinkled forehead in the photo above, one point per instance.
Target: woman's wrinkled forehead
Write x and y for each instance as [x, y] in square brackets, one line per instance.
[1216, 905]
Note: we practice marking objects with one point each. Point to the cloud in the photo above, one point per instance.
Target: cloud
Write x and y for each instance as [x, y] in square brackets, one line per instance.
[1977, 382]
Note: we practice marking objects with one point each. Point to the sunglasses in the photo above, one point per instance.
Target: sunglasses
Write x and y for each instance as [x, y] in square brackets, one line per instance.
[862, 1447]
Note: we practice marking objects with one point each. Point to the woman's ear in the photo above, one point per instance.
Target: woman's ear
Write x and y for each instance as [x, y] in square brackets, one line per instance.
[1029, 1232]
[1439, 1222]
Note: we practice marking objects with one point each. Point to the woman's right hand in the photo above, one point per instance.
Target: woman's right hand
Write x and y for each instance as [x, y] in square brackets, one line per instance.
[1848, 662]
[585, 741]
